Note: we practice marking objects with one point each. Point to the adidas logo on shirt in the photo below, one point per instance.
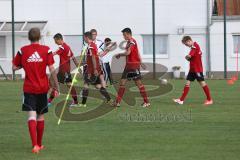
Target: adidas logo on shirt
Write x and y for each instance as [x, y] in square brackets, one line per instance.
[35, 58]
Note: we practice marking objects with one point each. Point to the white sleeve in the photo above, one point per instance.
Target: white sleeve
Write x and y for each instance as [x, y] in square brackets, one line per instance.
[100, 45]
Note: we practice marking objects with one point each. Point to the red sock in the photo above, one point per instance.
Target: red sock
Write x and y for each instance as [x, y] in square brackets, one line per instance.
[185, 92]
[143, 93]
[32, 126]
[207, 92]
[40, 130]
[74, 94]
[121, 91]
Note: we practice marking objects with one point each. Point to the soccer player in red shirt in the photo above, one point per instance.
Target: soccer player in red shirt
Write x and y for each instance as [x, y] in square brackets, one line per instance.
[93, 73]
[64, 74]
[132, 68]
[195, 72]
[34, 59]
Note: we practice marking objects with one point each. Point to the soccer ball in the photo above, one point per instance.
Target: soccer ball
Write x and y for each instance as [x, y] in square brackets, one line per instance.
[163, 81]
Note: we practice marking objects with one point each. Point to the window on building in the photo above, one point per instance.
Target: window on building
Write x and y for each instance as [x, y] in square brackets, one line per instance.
[3, 47]
[215, 8]
[161, 42]
[233, 7]
[236, 44]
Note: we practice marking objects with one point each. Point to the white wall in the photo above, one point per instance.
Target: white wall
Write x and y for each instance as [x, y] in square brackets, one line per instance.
[110, 17]
[217, 46]
[170, 15]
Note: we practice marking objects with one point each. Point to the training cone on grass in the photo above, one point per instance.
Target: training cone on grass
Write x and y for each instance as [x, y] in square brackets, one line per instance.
[230, 82]
[234, 78]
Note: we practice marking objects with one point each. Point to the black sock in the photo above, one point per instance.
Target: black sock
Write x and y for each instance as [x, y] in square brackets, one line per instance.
[104, 92]
[84, 96]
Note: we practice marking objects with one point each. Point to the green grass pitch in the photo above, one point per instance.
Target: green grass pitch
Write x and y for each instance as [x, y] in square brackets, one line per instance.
[210, 133]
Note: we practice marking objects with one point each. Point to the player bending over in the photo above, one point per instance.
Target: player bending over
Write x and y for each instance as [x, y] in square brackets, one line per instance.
[195, 72]
[64, 73]
[34, 59]
[132, 68]
[93, 73]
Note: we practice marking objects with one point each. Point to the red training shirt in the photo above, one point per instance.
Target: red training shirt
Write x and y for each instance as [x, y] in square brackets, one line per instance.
[34, 59]
[196, 59]
[65, 53]
[92, 51]
[133, 60]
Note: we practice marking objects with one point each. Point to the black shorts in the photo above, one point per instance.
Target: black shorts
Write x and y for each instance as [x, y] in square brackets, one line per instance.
[131, 74]
[64, 77]
[93, 80]
[35, 102]
[198, 76]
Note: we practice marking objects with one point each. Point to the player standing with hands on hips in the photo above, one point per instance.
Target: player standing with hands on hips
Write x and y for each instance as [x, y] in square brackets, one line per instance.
[34, 59]
[195, 72]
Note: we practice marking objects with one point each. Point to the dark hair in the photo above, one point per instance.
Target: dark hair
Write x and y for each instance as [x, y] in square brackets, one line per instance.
[88, 35]
[93, 30]
[34, 34]
[127, 30]
[58, 36]
[186, 38]
[107, 40]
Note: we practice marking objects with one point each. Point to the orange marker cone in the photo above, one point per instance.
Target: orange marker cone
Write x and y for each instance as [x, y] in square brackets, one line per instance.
[230, 82]
[234, 78]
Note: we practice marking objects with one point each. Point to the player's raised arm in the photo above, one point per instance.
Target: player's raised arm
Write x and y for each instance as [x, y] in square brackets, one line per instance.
[108, 49]
[111, 46]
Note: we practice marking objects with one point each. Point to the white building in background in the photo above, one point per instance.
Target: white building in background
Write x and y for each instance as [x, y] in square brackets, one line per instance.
[174, 18]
